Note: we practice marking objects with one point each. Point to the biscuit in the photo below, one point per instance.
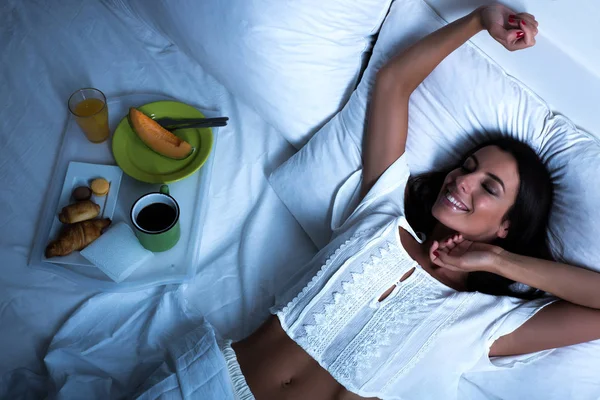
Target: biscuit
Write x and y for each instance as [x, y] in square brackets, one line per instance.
[100, 187]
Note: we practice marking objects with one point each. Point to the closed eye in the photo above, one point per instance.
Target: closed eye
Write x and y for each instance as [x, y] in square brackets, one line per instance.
[494, 177]
[467, 169]
[488, 189]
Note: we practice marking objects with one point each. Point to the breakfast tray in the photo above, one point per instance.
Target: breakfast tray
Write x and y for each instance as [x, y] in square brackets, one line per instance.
[174, 266]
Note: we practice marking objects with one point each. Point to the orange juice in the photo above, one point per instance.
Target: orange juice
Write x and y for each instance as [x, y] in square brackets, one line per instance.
[92, 117]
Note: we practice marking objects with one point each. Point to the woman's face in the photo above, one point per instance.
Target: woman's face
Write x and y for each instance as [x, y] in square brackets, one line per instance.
[475, 198]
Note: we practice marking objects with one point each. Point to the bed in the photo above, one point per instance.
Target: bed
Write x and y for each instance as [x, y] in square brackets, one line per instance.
[251, 241]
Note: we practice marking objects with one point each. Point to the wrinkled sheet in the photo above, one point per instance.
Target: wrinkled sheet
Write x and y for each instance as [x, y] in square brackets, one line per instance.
[50, 49]
[100, 345]
[195, 367]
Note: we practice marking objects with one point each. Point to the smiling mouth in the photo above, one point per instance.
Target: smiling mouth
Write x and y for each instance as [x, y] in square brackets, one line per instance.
[451, 201]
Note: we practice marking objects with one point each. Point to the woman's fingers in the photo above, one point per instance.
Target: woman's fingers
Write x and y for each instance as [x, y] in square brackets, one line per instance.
[454, 242]
[436, 255]
[513, 21]
[517, 32]
[445, 243]
[529, 18]
[450, 244]
[513, 39]
[447, 261]
[526, 22]
[434, 250]
[529, 33]
[524, 34]
[516, 40]
[528, 26]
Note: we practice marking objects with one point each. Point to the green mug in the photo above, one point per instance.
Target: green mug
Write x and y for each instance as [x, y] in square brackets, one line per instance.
[155, 217]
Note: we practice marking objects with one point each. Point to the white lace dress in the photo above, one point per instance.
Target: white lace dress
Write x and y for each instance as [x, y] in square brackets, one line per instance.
[418, 341]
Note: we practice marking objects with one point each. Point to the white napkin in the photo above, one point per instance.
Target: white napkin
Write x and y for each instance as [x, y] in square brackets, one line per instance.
[117, 252]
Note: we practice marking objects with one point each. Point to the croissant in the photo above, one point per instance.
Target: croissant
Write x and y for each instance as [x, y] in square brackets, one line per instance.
[80, 211]
[76, 236]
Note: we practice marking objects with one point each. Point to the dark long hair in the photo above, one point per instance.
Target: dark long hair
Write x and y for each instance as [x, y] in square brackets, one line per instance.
[528, 216]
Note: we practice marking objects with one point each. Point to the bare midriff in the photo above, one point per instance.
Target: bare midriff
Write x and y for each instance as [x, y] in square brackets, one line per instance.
[275, 367]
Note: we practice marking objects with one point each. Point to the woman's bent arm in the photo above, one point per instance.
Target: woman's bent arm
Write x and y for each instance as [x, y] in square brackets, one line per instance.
[557, 325]
[563, 323]
[573, 284]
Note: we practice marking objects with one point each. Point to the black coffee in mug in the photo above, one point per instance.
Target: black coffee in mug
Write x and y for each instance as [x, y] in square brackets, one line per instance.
[156, 217]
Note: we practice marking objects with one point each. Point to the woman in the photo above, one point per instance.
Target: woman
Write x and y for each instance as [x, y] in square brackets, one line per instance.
[380, 312]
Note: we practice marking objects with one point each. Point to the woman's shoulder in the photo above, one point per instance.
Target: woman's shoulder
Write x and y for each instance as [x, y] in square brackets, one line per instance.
[384, 201]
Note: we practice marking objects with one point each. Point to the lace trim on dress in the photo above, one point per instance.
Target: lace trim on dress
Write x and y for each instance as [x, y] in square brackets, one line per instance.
[357, 291]
[353, 364]
[320, 273]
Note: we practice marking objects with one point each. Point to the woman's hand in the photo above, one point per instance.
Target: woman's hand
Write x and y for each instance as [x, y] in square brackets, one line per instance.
[514, 31]
[458, 254]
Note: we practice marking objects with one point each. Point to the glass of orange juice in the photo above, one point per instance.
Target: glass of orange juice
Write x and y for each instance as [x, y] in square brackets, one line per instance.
[88, 106]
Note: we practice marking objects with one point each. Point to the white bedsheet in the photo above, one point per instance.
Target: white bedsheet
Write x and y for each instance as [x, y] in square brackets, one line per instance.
[250, 241]
[51, 49]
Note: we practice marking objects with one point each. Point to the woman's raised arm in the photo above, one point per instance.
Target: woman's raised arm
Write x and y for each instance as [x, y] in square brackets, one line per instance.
[388, 116]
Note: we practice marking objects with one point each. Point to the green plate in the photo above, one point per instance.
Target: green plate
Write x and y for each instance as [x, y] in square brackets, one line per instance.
[140, 162]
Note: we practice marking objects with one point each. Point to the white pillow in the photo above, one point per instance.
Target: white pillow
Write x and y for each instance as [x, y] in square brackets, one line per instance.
[464, 100]
[295, 61]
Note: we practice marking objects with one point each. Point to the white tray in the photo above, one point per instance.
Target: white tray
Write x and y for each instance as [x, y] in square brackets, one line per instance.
[81, 174]
[174, 266]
